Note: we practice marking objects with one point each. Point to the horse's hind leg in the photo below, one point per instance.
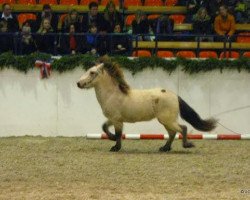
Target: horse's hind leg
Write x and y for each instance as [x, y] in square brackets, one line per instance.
[118, 135]
[185, 142]
[167, 146]
[105, 128]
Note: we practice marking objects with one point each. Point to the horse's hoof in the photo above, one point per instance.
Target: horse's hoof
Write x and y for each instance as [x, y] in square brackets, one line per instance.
[165, 149]
[188, 145]
[115, 148]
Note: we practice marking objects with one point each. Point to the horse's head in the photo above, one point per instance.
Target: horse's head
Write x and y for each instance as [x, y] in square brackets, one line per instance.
[91, 77]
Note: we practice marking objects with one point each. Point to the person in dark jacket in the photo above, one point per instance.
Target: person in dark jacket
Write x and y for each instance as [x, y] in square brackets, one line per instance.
[140, 25]
[213, 7]
[72, 17]
[44, 38]
[6, 42]
[12, 22]
[120, 42]
[202, 24]
[163, 25]
[49, 14]
[93, 17]
[112, 16]
[192, 7]
[27, 43]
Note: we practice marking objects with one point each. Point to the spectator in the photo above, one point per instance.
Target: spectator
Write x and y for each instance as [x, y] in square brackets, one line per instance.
[202, 24]
[192, 7]
[12, 23]
[70, 43]
[72, 18]
[242, 11]
[140, 25]
[112, 16]
[120, 42]
[213, 8]
[47, 13]
[93, 17]
[27, 42]
[6, 42]
[92, 42]
[44, 39]
[224, 24]
[163, 25]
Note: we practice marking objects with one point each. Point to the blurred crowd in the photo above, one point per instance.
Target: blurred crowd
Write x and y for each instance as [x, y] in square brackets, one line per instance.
[87, 33]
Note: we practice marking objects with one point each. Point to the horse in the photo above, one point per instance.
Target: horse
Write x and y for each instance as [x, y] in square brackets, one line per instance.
[120, 104]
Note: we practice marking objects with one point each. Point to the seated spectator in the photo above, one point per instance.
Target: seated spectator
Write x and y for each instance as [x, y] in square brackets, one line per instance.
[72, 18]
[120, 43]
[49, 14]
[140, 25]
[112, 16]
[6, 42]
[224, 23]
[27, 43]
[94, 17]
[163, 25]
[192, 7]
[213, 8]
[202, 24]
[44, 39]
[242, 11]
[12, 22]
[70, 43]
[94, 43]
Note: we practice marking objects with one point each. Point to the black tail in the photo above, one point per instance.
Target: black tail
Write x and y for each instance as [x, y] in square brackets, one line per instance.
[188, 114]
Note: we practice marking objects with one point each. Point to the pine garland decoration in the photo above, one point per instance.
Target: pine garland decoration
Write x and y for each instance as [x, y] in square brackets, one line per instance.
[70, 62]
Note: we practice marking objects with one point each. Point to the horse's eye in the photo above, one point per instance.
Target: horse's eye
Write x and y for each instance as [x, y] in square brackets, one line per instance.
[92, 73]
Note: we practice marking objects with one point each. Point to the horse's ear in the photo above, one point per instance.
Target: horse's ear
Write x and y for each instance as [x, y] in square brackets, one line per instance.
[101, 67]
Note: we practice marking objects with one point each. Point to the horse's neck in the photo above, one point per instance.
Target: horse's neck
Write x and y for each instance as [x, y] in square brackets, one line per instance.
[105, 88]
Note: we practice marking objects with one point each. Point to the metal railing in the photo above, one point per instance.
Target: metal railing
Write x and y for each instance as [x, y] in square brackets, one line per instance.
[16, 38]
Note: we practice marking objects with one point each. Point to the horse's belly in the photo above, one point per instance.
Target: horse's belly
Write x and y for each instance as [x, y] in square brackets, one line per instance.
[137, 114]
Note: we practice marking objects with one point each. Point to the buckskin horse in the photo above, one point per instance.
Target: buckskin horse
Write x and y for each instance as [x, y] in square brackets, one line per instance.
[121, 104]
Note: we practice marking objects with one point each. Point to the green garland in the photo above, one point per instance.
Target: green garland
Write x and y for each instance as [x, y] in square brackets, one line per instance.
[70, 62]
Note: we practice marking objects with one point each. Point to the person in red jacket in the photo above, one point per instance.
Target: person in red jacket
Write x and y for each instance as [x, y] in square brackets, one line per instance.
[224, 24]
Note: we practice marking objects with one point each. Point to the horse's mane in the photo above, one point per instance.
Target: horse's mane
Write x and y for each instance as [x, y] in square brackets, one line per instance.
[114, 70]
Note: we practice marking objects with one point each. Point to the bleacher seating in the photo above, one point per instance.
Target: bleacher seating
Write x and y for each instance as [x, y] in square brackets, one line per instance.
[128, 3]
[27, 2]
[51, 2]
[86, 2]
[228, 54]
[129, 19]
[7, 1]
[104, 2]
[186, 54]
[141, 53]
[24, 17]
[171, 2]
[69, 2]
[153, 3]
[208, 54]
[243, 37]
[178, 19]
[246, 54]
[165, 54]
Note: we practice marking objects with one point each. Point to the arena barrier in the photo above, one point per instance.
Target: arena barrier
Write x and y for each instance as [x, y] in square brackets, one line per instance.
[178, 136]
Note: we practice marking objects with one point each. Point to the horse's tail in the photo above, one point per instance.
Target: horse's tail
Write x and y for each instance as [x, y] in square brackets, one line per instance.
[105, 128]
[188, 114]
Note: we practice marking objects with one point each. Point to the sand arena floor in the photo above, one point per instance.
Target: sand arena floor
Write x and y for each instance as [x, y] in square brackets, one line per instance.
[76, 168]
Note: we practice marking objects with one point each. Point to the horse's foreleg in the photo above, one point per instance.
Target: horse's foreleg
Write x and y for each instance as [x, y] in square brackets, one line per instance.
[185, 142]
[105, 128]
[118, 135]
